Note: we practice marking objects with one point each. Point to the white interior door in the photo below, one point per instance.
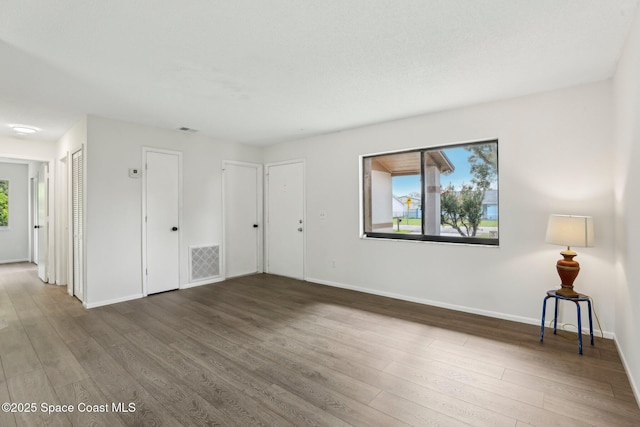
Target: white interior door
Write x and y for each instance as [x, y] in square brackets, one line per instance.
[42, 226]
[34, 220]
[77, 202]
[162, 195]
[242, 218]
[285, 219]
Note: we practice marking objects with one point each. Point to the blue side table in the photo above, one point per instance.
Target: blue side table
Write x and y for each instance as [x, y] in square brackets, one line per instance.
[577, 300]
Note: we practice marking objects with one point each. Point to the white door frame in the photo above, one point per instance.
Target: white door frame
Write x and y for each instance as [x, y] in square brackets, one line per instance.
[61, 231]
[50, 236]
[44, 216]
[70, 225]
[33, 220]
[69, 221]
[259, 214]
[304, 212]
[146, 150]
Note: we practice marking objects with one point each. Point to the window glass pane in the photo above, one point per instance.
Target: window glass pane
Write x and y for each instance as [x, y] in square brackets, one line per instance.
[469, 197]
[4, 203]
[407, 203]
[394, 193]
[446, 193]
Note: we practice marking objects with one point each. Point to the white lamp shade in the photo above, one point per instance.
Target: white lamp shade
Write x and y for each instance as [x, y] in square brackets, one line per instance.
[570, 230]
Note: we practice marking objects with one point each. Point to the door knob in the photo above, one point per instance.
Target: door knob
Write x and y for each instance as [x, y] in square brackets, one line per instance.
[174, 228]
[300, 229]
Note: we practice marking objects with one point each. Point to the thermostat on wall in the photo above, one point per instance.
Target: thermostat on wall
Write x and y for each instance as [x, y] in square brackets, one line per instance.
[134, 173]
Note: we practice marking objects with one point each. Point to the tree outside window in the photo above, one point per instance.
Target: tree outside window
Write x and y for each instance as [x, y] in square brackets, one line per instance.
[4, 203]
[464, 209]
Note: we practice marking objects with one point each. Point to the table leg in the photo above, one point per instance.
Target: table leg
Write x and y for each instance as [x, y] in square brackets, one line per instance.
[555, 316]
[579, 328]
[544, 312]
[590, 322]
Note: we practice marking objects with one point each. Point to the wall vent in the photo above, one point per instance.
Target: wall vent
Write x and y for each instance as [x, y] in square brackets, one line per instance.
[204, 262]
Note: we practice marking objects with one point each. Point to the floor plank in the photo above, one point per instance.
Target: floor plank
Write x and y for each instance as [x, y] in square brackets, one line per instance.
[418, 415]
[34, 388]
[264, 350]
[92, 408]
[223, 395]
[6, 418]
[118, 386]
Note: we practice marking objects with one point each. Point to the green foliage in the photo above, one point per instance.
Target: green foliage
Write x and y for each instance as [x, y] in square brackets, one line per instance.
[4, 203]
[462, 209]
[486, 154]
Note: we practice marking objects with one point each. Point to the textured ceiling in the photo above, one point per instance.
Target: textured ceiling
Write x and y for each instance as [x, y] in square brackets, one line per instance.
[260, 72]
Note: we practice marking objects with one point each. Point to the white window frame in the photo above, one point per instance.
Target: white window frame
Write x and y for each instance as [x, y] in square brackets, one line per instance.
[366, 214]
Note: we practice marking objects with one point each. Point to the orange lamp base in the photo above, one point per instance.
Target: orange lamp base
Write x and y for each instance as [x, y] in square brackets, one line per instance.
[568, 270]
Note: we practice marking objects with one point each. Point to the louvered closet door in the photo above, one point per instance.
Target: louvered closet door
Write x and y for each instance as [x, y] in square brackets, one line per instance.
[78, 223]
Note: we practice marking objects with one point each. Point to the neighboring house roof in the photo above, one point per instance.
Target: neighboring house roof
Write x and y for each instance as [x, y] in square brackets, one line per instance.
[490, 197]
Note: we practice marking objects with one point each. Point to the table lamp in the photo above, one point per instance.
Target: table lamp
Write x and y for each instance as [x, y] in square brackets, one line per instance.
[569, 230]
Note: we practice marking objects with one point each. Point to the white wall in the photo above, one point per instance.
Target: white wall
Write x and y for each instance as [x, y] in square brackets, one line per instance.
[72, 140]
[627, 204]
[14, 240]
[26, 149]
[555, 157]
[114, 201]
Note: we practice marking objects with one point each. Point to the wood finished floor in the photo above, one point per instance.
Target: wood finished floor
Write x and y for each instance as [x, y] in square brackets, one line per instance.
[270, 351]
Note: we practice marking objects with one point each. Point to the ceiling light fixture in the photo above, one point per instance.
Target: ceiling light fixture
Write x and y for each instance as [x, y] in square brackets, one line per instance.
[23, 129]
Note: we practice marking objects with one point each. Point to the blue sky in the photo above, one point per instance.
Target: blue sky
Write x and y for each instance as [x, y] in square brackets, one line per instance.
[403, 185]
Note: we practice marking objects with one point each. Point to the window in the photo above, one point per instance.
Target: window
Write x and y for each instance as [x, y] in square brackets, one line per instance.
[445, 194]
[4, 203]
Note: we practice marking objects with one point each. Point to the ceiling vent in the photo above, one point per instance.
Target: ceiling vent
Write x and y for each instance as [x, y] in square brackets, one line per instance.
[187, 130]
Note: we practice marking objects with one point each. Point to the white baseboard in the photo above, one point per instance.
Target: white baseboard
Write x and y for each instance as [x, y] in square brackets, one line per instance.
[111, 301]
[202, 283]
[137, 296]
[465, 309]
[634, 385]
[12, 261]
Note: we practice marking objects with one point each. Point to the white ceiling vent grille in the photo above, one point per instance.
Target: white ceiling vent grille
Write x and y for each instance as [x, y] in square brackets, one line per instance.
[204, 262]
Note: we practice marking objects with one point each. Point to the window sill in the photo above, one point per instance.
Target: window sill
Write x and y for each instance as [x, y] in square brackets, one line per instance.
[486, 243]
